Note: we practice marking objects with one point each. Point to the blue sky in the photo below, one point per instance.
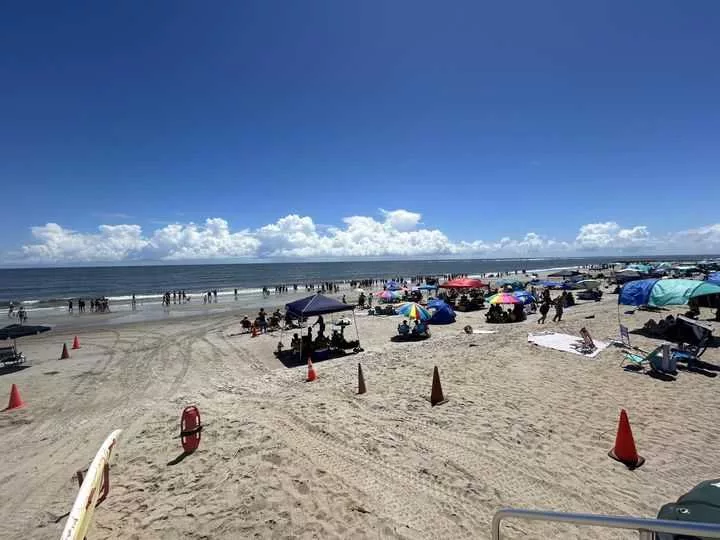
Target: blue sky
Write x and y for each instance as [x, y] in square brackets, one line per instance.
[489, 119]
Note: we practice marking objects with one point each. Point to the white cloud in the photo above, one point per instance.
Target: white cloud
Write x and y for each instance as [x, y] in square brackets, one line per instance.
[609, 235]
[401, 220]
[397, 234]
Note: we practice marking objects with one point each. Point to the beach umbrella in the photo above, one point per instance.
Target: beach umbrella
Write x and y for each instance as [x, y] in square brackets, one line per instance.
[463, 283]
[714, 277]
[665, 292]
[393, 286]
[427, 287]
[389, 296]
[525, 297]
[504, 298]
[411, 310]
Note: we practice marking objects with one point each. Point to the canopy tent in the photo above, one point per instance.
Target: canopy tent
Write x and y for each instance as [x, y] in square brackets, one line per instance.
[317, 304]
[664, 292]
[463, 283]
[393, 286]
[444, 314]
[15, 331]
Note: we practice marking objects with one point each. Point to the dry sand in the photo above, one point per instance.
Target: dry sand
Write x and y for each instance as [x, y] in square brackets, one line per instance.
[279, 458]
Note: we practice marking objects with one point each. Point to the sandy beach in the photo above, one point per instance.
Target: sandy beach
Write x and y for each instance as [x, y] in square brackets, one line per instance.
[523, 426]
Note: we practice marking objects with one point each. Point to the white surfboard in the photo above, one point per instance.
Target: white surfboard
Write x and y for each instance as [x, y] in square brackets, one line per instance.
[82, 511]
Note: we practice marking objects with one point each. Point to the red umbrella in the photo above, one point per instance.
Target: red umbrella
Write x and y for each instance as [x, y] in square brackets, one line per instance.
[463, 283]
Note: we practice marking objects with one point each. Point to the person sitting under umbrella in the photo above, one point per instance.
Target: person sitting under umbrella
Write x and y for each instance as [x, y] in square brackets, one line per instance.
[404, 328]
[420, 329]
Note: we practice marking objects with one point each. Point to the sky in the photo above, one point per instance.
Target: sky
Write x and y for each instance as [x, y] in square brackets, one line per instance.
[180, 130]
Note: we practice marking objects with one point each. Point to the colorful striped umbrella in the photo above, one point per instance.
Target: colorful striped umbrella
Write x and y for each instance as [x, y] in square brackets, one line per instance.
[389, 296]
[504, 298]
[414, 311]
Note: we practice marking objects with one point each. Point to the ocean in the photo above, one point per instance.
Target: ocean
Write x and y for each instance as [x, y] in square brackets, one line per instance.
[52, 287]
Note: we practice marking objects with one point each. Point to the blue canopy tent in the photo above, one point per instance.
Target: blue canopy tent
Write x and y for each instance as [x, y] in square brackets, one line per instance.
[664, 292]
[393, 286]
[443, 314]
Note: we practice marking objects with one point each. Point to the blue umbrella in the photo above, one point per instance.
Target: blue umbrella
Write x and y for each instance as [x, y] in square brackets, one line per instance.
[525, 296]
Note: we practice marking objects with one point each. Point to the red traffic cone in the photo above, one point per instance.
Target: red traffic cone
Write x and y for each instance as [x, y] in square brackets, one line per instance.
[65, 354]
[436, 393]
[311, 376]
[15, 400]
[624, 450]
[76, 343]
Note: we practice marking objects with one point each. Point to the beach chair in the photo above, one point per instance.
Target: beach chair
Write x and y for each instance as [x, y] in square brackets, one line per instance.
[660, 360]
[624, 336]
[638, 360]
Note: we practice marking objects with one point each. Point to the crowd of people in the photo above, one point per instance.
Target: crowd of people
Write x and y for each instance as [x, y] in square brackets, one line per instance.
[97, 305]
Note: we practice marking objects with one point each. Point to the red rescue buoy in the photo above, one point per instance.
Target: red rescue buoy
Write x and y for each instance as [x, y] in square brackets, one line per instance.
[190, 429]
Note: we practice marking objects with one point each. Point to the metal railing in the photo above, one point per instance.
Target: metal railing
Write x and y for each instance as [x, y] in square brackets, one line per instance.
[645, 527]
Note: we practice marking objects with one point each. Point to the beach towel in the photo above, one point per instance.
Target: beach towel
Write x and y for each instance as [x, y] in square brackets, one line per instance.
[566, 343]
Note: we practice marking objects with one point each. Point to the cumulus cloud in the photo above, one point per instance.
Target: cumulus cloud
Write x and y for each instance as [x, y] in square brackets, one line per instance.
[598, 236]
[401, 220]
[397, 233]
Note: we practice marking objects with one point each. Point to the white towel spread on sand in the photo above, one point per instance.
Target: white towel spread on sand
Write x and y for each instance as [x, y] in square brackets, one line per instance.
[565, 342]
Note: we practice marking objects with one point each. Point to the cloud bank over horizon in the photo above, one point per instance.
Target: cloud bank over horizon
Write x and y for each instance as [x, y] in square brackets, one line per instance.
[398, 233]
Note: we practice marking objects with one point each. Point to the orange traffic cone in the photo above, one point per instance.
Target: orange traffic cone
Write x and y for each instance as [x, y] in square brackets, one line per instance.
[76, 343]
[361, 381]
[436, 394]
[311, 376]
[624, 450]
[65, 354]
[15, 400]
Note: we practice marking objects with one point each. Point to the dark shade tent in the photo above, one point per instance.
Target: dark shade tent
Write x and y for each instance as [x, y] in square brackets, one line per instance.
[318, 304]
[15, 331]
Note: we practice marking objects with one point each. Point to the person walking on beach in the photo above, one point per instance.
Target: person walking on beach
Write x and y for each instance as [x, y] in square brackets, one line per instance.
[11, 310]
[70, 306]
[133, 303]
[559, 306]
[544, 308]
